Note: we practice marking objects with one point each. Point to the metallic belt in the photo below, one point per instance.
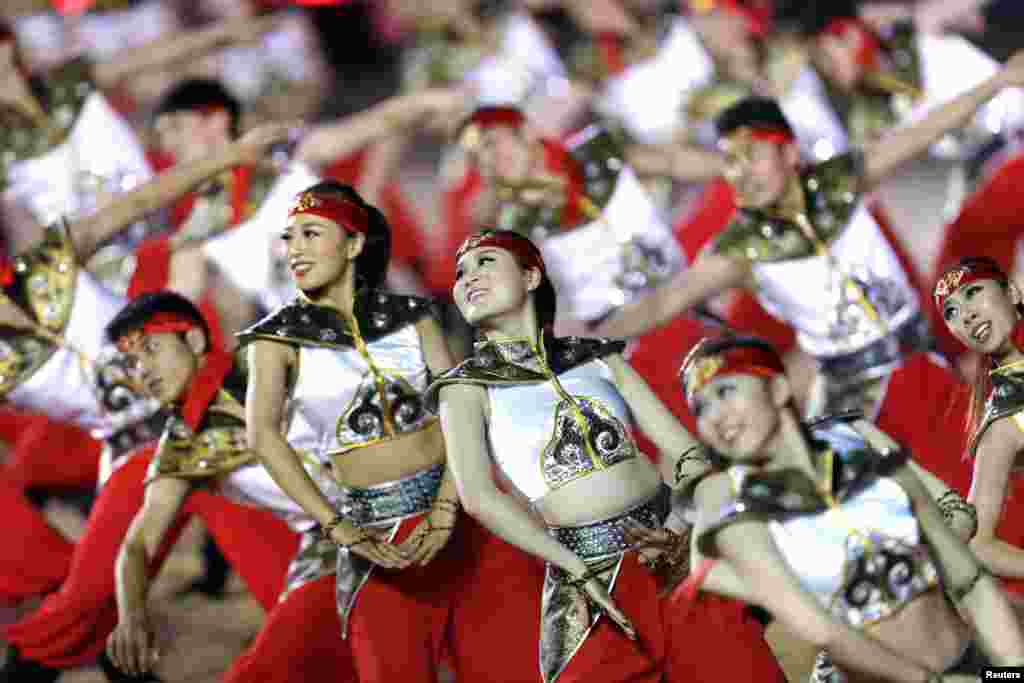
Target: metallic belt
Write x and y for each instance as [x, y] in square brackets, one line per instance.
[391, 500]
[608, 536]
[878, 358]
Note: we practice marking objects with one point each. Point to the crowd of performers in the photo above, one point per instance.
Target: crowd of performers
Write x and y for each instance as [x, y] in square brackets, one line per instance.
[659, 374]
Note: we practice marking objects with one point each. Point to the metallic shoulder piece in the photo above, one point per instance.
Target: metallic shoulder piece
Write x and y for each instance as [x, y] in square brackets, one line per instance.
[218, 447]
[1005, 400]
[43, 287]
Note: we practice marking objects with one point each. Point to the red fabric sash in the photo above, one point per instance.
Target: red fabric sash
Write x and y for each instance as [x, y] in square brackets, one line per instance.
[204, 386]
[558, 161]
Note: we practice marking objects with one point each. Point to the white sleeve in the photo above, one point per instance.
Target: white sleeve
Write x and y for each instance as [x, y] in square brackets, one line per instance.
[246, 254]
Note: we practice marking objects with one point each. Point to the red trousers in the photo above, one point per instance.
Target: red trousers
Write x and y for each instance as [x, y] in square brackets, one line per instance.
[608, 655]
[71, 626]
[716, 639]
[398, 627]
[35, 557]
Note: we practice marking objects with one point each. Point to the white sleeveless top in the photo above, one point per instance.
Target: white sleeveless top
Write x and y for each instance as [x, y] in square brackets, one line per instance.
[630, 236]
[100, 155]
[809, 293]
[63, 388]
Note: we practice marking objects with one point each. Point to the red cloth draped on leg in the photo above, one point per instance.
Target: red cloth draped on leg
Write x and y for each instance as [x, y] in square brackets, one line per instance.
[257, 545]
[35, 557]
[300, 641]
[71, 626]
[496, 614]
[52, 455]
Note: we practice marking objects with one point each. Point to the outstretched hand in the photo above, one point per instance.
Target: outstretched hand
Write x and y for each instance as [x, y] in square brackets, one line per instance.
[255, 145]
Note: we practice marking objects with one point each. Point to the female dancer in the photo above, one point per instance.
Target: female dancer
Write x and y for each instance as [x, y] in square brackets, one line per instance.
[554, 414]
[360, 454]
[827, 526]
[982, 309]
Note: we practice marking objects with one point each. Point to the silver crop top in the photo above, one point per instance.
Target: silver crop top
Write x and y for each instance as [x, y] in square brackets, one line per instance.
[858, 549]
[357, 382]
[555, 416]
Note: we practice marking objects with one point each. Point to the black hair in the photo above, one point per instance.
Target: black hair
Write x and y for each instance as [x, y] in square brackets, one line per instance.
[372, 263]
[756, 112]
[141, 310]
[193, 94]
[813, 17]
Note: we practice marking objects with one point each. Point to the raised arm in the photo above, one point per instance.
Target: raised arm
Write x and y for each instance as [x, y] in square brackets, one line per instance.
[131, 646]
[659, 424]
[959, 515]
[463, 419]
[993, 463]
[884, 157]
[270, 364]
[91, 232]
[178, 47]
[683, 162]
[976, 593]
[755, 569]
[325, 143]
[710, 275]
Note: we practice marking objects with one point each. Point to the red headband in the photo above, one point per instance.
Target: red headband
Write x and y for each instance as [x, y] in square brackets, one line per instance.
[523, 249]
[958, 276]
[489, 117]
[158, 324]
[772, 134]
[701, 367]
[349, 215]
[867, 54]
[757, 18]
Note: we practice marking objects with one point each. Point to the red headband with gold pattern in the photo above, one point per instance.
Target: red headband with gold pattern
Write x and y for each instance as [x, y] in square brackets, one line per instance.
[158, 324]
[523, 249]
[701, 367]
[349, 215]
[963, 274]
[747, 134]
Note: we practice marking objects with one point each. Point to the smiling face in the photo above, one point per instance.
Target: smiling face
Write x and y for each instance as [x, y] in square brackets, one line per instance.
[982, 315]
[490, 283]
[738, 415]
[319, 252]
[759, 171]
[164, 363]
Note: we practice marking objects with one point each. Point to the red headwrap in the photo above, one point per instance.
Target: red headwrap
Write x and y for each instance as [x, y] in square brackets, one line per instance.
[349, 215]
[489, 117]
[701, 366]
[756, 15]
[759, 133]
[523, 249]
[158, 324]
[207, 380]
[867, 54]
[965, 273]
